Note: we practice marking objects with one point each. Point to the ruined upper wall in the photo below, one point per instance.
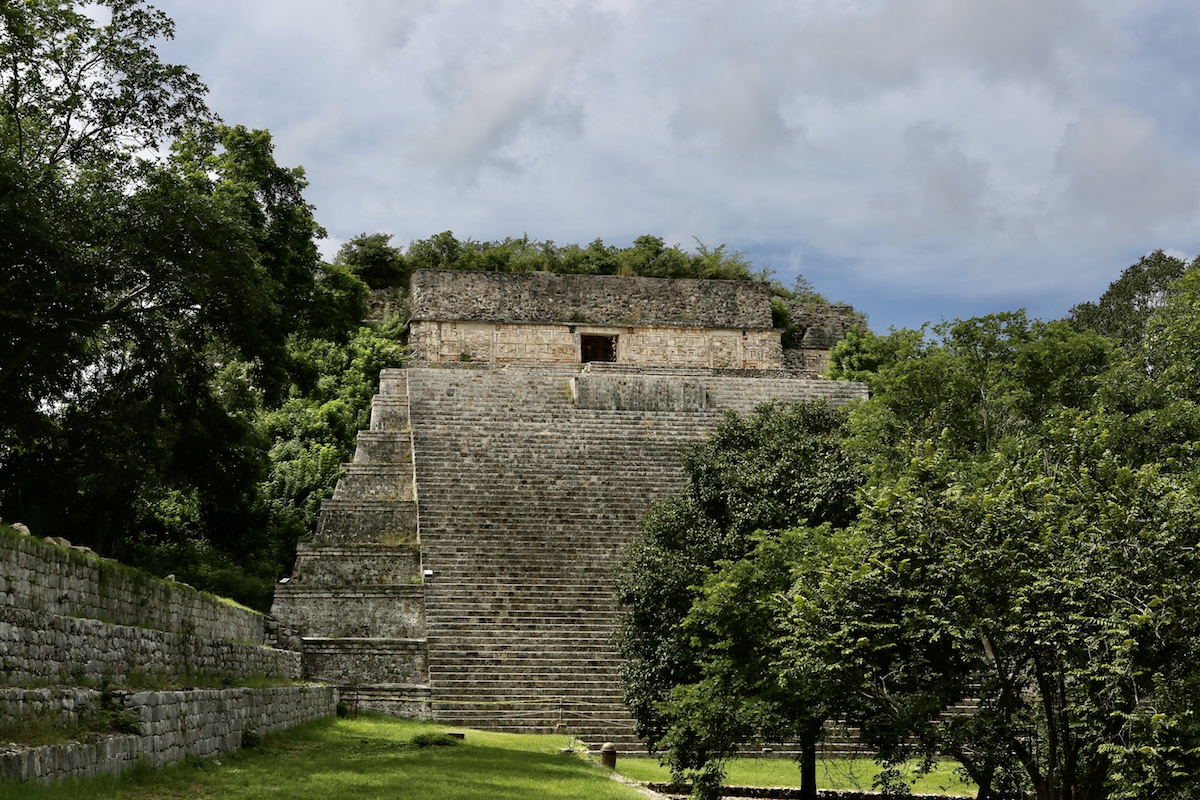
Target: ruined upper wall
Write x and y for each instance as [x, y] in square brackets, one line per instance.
[822, 326]
[591, 299]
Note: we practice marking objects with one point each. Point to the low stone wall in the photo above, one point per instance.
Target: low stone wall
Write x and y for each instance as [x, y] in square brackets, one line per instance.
[205, 722]
[65, 703]
[70, 621]
[36, 647]
[36, 576]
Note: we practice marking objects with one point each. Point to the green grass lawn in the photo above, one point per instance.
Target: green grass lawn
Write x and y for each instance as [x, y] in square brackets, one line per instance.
[831, 774]
[374, 757]
[360, 759]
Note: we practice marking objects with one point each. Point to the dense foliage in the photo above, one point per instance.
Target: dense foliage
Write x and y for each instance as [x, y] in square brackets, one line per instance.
[648, 256]
[162, 292]
[1022, 542]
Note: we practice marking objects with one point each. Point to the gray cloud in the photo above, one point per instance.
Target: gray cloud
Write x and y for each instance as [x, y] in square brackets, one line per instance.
[1120, 177]
[504, 89]
[941, 192]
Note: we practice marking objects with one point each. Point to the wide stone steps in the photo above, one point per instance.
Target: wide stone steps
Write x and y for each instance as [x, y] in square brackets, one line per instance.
[529, 484]
[547, 633]
[550, 657]
[484, 605]
[596, 627]
[512, 683]
[496, 685]
[578, 647]
[512, 475]
[562, 586]
[546, 704]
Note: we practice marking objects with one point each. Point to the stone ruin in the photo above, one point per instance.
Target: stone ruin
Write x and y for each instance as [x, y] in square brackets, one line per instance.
[464, 570]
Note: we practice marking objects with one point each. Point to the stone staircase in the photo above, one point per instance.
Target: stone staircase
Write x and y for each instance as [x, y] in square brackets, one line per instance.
[493, 606]
[531, 483]
[355, 594]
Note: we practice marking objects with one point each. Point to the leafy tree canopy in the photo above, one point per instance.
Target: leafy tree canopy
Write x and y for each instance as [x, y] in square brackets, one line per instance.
[1124, 310]
[1022, 542]
[158, 270]
[782, 467]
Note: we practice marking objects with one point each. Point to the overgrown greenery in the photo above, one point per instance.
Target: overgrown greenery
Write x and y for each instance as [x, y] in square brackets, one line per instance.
[1022, 541]
[153, 306]
[380, 264]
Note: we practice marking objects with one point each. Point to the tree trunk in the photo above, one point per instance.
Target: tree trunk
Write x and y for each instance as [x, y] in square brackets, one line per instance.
[808, 767]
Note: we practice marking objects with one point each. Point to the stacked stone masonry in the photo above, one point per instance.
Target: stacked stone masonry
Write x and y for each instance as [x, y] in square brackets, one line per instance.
[35, 576]
[528, 483]
[71, 622]
[561, 344]
[204, 722]
[533, 297]
[540, 318]
[36, 647]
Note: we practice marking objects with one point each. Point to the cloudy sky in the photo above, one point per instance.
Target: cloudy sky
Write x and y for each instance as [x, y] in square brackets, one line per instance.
[920, 159]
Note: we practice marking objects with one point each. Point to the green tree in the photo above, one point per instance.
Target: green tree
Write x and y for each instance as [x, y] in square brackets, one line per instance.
[77, 92]
[1125, 308]
[146, 302]
[744, 691]
[1053, 583]
[777, 469]
[974, 383]
[649, 256]
[374, 260]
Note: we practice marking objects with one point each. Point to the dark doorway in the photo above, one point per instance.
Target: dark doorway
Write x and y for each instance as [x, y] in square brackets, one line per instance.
[597, 348]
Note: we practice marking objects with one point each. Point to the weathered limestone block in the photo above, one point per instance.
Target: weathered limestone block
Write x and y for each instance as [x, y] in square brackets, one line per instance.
[639, 393]
[371, 662]
[347, 521]
[356, 565]
[382, 612]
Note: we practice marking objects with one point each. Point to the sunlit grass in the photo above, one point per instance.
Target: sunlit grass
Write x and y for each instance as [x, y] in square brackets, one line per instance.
[856, 773]
[360, 759]
[373, 757]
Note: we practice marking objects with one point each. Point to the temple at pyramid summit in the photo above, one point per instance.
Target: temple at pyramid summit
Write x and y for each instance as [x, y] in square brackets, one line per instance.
[464, 570]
